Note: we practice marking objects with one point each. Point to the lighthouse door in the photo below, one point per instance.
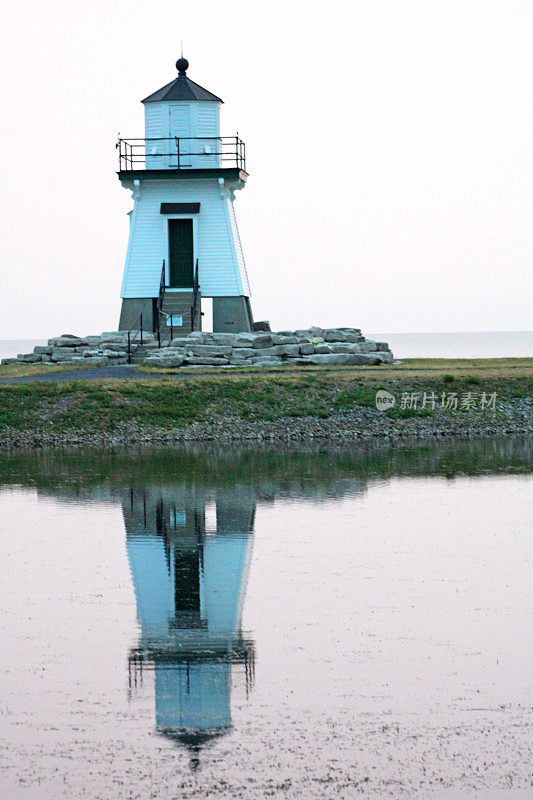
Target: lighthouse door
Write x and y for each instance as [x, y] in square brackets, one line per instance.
[180, 254]
[180, 129]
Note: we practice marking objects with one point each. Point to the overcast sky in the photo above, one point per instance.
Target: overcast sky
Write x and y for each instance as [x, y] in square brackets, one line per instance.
[388, 146]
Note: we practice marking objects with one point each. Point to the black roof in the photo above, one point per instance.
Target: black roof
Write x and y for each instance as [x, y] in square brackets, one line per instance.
[182, 88]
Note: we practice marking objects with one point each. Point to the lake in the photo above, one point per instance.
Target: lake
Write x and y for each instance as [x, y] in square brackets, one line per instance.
[497, 344]
[321, 623]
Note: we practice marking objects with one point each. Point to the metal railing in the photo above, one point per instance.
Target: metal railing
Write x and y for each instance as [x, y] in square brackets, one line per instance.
[181, 152]
[133, 333]
[195, 289]
[159, 305]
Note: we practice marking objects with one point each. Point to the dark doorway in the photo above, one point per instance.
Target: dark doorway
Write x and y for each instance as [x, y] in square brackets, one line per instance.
[180, 254]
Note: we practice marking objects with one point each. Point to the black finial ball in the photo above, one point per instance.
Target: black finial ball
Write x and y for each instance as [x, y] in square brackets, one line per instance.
[182, 65]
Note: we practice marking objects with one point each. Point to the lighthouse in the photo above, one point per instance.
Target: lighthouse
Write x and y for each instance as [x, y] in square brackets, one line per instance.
[184, 243]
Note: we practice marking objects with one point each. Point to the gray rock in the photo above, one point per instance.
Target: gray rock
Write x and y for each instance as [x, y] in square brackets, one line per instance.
[264, 361]
[344, 347]
[261, 341]
[93, 341]
[244, 340]
[382, 346]
[63, 351]
[243, 353]
[10, 361]
[42, 349]
[368, 347]
[164, 361]
[263, 325]
[382, 357]
[92, 353]
[278, 338]
[214, 351]
[323, 349]
[117, 346]
[339, 359]
[224, 338]
[206, 361]
[114, 336]
[307, 349]
[114, 354]
[67, 341]
[95, 361]
[62, 358]
[46, 359]
[29, 358]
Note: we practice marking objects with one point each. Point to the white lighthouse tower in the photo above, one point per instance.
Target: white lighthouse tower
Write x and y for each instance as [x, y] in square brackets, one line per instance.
[184, 242]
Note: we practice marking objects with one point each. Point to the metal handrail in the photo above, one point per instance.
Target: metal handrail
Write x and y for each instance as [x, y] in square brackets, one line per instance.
[195, 288]
[160, 298]
[136, 332]
[133, 152]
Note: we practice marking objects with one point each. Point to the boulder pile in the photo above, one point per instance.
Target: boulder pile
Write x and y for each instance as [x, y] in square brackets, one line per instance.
[108, 348]
[341, 346]
[338, 346]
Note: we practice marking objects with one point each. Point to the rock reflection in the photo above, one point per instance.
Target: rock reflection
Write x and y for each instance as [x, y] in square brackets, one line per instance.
[189, 580]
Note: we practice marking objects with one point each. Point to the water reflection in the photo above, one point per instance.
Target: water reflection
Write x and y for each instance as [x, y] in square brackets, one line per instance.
[190, 579]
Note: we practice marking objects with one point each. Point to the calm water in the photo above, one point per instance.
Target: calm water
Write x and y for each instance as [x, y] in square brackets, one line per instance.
[257, 624]
[507, 344]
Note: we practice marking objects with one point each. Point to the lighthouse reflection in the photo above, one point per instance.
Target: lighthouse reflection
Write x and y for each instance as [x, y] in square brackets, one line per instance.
[189, 580]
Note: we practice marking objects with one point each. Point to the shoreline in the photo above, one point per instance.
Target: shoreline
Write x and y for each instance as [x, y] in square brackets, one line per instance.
[424, 400]
[361, 426]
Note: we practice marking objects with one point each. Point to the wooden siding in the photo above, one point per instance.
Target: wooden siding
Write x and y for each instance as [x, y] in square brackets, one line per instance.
[221, 264]
[238, 248]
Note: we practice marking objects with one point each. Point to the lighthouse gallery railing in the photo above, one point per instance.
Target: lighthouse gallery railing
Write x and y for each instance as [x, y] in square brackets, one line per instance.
[178, 152]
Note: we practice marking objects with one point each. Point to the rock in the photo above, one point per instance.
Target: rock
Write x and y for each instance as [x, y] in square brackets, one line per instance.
[10, 361]
[382, 346]
[344, 347]
[264, 361]
[206, 361]
[42, 349]
[67, 341]
[368, 347]
[244, 340]
[63, 351]
[262, 341]
[61, 358]
[226, 339]
[213, 351]
[307, 349]
[117, 346]
[93, 341]
[114, 336]
[164, 361]
[114, 354]
[92, 353]
[95, 361]
[322, 349]
[243, 353]
[278, 338]
[382, 357]
[29, 358]
[46, 359]
[339, 359]
[263, 325]
[316, 340]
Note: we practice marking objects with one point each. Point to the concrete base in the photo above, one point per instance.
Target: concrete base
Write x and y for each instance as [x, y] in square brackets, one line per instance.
[232, 315]
[132, 308]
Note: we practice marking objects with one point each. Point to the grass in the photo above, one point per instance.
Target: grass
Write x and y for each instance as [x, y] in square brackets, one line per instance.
[166, 403]
[23, 370]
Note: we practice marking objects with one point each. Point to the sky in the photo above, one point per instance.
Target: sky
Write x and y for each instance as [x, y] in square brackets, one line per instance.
[388, 146]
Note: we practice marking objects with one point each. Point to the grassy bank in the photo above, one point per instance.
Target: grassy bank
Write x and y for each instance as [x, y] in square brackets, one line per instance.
[318, 399]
